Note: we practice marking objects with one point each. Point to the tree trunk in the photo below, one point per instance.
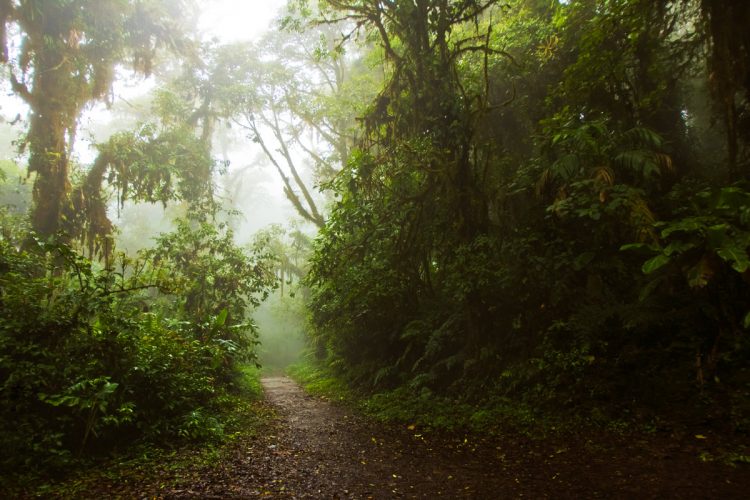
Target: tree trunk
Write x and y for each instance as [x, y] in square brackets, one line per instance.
[49, 159]
[52, 109]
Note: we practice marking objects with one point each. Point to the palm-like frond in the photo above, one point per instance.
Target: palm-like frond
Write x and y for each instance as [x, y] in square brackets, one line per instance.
[640, 137]
[567, 167]
[604, 174]
[643, 220]
[645, 164]
[544, 182]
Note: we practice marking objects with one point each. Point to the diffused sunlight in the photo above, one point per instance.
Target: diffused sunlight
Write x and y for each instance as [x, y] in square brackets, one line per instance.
[237, 20]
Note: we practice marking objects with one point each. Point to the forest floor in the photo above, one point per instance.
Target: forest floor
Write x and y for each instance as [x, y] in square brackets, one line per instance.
[313, 448]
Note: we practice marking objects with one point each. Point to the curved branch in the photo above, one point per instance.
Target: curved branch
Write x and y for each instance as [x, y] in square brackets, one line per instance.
[21, 90]
[312, 214]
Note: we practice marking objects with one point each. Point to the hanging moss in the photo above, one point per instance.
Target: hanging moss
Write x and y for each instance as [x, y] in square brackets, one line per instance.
[66, 60]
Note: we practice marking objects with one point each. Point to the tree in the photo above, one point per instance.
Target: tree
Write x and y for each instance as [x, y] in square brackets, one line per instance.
[68, 57]
[298, 94]
[165, 158]
[396, 253]
[487, 224]
[153, 163]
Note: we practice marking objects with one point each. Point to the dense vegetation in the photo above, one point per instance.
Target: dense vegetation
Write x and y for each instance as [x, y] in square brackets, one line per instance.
[534, 204]
[100, 349]
[96, 357]
[548, 203]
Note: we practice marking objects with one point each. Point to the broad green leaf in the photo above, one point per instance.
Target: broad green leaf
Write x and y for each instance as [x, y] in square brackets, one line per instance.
[689, 225]
[109, 388]
[678, 247]
[221, 318]
[735, 256]
[654, 263]
[746, 321]
[638, 247]
[717, 235]
[648, 289]
[732, 198]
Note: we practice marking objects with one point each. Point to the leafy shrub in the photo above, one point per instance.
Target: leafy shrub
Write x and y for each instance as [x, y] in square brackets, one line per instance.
[92, 358]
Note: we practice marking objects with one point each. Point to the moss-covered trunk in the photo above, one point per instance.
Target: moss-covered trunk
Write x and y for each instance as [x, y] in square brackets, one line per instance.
[49, 160]
[53, 115]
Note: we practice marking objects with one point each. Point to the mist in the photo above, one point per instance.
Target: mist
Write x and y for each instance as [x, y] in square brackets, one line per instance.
[247, 187]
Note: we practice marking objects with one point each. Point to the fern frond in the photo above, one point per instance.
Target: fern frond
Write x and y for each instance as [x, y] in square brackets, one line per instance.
[545, 180]
[665, 163]
[566, 167]
[604, 175]
[643, 220]
[641, 137]
[640, 161]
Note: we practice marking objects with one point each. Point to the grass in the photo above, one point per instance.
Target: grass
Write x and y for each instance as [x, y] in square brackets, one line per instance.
[319, 381]
[249, 383]
[423, 408]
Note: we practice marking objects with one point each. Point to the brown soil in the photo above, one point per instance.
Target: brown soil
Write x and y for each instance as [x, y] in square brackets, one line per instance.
[317, 449]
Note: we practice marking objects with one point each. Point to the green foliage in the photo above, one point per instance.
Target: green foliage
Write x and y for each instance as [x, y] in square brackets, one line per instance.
[532, 216]
[239, 414]
[156, 165]
[92, 358]
[701, 258]
[82, 43]
[319, 381]
[248, 383]
[421, 409]
[212, 283]
[716, 231]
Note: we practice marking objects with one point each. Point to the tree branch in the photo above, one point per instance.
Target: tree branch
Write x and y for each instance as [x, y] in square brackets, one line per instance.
[21, 90]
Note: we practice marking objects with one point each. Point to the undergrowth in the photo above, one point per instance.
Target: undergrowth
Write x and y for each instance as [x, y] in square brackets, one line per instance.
[320, 381]
[426, 410]
[495, 416]
[239, 415]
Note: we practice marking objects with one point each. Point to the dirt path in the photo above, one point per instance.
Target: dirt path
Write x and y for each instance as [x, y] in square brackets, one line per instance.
[337, 454]
[317, 449]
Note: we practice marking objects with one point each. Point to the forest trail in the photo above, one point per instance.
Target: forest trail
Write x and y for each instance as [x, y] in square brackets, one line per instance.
[311, 447]
[324, 450]
[319, 449]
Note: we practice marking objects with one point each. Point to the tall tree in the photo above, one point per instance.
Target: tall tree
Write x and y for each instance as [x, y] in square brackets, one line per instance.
[67, 59]
[296, 96]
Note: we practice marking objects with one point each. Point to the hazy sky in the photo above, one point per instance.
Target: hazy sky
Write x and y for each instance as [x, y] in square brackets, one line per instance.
[234, 20]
